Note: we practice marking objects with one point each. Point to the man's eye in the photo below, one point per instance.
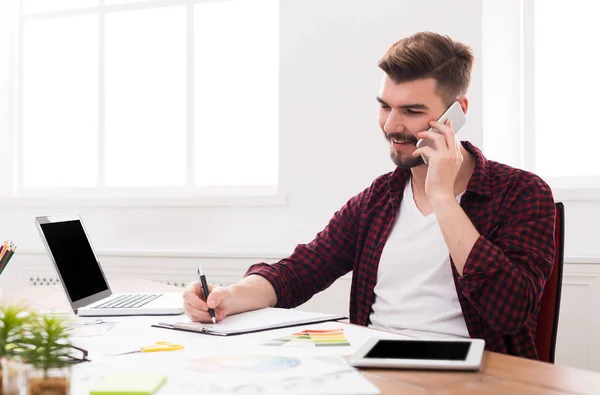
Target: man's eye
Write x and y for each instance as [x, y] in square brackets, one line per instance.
[413, 112]
[385, 106]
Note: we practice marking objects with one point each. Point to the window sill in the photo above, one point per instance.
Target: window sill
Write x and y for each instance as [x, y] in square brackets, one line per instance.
[202, 252]
[575, 188]
[582, 260]
[261, 200]
[576, 194]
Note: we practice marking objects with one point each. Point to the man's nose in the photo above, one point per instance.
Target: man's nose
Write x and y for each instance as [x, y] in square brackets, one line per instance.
[394, 123]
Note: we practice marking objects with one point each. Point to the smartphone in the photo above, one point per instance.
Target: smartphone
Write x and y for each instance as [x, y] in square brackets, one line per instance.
[455, 114]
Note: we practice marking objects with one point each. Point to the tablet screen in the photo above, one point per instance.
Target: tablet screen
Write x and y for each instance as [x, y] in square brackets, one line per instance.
[409, 349]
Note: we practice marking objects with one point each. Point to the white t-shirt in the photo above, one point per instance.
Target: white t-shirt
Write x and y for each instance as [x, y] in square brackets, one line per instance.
[415, 290]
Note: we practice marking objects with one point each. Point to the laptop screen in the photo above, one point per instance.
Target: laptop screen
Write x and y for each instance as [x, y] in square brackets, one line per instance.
[74, 259]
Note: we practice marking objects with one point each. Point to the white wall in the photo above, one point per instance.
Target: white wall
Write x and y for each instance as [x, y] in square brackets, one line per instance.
[330, 145]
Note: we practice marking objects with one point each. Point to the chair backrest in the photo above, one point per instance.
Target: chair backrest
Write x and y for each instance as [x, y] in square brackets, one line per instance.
[547, 327]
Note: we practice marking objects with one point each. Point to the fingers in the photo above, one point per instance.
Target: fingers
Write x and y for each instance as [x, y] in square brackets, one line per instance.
[216, 296]
[445, 130]
[193, 306]
[425, 150]
[193, 294]
[203, 316]
[443, 138]
[195, 314]
[438, 139]
[197, 309]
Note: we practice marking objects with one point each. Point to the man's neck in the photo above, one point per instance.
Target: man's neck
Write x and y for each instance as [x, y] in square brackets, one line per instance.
[419, 174]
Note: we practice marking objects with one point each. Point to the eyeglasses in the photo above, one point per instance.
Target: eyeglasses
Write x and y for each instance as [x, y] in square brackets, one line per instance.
[78, 356]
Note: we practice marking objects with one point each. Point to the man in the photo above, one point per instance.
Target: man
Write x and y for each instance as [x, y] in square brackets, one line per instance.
[462, 246]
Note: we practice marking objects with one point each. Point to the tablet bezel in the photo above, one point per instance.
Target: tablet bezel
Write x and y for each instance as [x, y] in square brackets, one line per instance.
[472, 362]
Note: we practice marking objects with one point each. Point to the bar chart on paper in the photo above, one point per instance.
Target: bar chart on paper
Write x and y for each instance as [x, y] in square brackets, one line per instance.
[312, 338]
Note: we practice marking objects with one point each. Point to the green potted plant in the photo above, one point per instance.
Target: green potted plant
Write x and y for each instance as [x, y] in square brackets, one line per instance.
[47, 351]
[14, 322]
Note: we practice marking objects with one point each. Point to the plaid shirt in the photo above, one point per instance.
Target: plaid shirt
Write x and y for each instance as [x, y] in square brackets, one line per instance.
[504, 275]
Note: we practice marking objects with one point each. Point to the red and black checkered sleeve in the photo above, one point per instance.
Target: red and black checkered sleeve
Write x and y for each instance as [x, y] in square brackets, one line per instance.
[315, 266]
[505, 273]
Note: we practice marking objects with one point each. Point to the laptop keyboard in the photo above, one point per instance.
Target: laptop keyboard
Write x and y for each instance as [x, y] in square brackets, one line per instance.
[128, 301]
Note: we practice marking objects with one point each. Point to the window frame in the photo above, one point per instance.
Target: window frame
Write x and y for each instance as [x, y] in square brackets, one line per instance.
[190, 195]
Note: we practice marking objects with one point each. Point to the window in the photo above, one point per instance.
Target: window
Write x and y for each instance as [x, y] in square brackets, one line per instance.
[566, 86]
[539, 91]
[561, 85]
[163, 95]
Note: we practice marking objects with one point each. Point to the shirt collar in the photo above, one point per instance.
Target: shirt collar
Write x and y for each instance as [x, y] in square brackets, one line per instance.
[479, 182]
[480, 179]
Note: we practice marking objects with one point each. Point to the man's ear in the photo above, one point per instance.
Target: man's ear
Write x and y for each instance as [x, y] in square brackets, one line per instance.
[464, 103]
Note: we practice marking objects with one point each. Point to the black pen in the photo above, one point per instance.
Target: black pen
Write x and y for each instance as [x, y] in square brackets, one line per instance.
[206, 292]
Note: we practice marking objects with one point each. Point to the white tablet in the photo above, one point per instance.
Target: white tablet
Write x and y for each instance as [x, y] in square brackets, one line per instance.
[459, 354]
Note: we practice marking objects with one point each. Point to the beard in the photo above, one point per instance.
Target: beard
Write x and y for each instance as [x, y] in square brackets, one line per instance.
[405, 162]
[400, 159]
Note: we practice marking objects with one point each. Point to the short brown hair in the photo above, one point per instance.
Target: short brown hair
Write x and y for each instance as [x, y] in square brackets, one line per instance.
[430, 55]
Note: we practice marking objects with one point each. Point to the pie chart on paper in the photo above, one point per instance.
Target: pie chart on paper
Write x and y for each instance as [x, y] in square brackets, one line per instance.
[243, 363]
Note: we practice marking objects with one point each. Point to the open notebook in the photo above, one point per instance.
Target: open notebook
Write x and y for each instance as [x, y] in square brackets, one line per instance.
[253, 321]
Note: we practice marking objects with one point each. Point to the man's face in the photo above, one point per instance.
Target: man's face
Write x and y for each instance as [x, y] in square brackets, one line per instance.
[405, 110]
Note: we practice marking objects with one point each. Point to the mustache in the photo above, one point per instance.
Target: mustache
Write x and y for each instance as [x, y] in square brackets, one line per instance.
[401, 136]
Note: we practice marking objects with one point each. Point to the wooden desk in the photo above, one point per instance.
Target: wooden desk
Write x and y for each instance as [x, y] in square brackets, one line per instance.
[501, 374]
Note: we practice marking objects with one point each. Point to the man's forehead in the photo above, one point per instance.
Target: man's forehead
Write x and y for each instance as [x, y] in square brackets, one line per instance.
[422, 91]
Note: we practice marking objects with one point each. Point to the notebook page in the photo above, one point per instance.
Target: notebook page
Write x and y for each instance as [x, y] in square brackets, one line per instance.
[256, 320]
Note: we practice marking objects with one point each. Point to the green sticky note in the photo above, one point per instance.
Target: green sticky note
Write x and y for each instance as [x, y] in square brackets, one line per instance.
[129, 384]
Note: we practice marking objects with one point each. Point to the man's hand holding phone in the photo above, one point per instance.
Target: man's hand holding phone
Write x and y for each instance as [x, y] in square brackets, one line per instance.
[444, 161]
[454, 114]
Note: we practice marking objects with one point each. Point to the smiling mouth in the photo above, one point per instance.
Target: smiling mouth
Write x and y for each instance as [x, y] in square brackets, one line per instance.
[396, 141]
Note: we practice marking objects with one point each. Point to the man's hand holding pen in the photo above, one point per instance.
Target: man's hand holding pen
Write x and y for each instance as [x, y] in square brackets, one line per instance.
[196, 306]
[206, 303]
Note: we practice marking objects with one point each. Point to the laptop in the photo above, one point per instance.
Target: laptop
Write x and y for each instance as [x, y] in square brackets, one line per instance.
[81, 275]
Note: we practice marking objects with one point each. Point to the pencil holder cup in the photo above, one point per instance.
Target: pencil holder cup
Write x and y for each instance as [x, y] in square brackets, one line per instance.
[54, 381]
